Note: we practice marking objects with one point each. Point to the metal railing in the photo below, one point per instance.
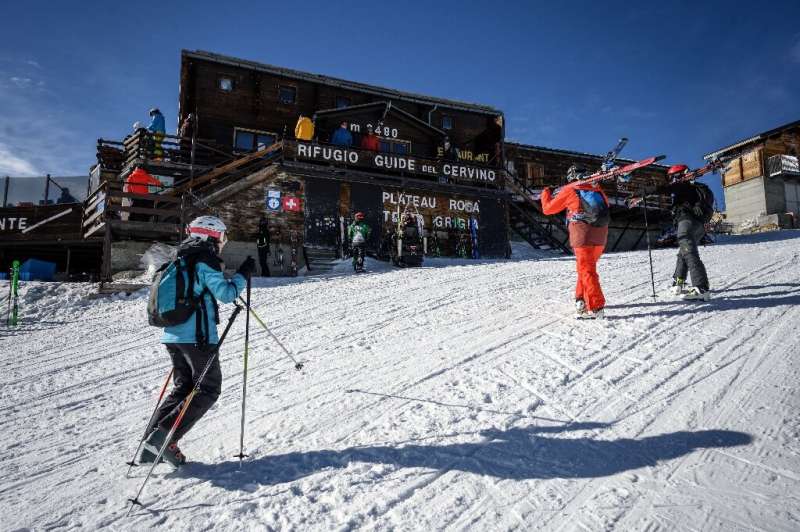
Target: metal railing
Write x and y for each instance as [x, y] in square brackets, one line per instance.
[783, 165]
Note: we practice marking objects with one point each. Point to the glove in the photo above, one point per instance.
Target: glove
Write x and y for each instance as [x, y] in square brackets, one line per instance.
[247, 267]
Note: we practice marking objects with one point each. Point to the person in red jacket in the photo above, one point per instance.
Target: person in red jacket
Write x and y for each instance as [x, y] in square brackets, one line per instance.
[370, 141]
[139, 182]
[587, 222]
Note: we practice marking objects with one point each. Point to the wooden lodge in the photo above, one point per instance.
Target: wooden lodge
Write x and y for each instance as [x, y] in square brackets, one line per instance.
[761, 179]
[305, 152]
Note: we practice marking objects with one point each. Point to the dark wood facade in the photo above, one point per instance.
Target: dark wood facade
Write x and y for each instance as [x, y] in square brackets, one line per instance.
[237, 100]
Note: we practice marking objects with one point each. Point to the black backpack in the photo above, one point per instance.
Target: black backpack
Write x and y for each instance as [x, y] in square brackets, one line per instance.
[703, 208]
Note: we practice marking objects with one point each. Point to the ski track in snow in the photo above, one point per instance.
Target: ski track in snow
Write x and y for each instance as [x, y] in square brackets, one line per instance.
[460, 396]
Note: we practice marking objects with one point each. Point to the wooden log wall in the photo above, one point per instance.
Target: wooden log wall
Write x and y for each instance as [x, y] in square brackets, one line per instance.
[254, 103]
[750, 161]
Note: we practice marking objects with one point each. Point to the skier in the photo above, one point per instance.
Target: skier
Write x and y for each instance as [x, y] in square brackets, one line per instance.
[690, 207]
[158, 128]
[193, 342]
[358, 233]
[262, 243]
[587, 222]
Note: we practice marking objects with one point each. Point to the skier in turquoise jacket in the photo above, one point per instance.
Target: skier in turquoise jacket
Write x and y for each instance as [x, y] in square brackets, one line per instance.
[192, 343]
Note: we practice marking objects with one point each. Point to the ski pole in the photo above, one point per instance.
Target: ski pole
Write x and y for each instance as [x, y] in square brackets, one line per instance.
[297, 365]
[15, 292]
[241, 454]
[647, 237]
[10, 292]
[186, 402]
[133, 463]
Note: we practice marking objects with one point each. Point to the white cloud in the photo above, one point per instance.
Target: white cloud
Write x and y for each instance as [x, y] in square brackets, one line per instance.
[33, 63]
[22, 83]
[13, 165]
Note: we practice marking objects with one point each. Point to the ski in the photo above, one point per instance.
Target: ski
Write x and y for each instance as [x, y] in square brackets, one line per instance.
[612, 155]
[597, 177]
[14, 298]
[293, 260]
[691, 175]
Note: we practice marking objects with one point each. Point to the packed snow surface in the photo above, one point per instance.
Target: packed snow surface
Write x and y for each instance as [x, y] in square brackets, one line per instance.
[458, 396]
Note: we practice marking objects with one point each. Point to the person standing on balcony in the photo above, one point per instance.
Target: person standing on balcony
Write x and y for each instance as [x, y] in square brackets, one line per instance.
[158, 128]
[342, 136]
[370, 141]
[262, 243]
[139, 182]
[304, 130]
[186, 133]
[587, 223]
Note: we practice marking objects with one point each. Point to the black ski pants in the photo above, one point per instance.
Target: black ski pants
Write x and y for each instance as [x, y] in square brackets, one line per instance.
[263, 260]
[689, 233]
[188, 361]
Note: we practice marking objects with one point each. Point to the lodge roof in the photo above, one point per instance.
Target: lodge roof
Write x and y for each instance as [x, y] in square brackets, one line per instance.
[571, 153]
[337, 82]
[750, 140]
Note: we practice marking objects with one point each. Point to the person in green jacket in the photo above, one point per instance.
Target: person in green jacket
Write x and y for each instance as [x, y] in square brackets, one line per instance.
[358, 233]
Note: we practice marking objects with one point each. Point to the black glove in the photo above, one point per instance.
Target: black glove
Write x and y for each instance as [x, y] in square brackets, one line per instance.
[247, 267]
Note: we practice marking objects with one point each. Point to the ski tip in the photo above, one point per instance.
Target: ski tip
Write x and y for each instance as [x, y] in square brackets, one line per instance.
[660, 157]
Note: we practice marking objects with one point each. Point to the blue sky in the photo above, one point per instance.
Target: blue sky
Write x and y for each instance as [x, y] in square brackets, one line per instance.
[680, 78]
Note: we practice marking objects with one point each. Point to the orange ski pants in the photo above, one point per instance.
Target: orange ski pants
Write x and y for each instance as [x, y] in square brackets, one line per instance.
[588, 286]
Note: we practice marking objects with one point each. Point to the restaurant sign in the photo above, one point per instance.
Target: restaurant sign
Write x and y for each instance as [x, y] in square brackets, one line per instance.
[397, 163]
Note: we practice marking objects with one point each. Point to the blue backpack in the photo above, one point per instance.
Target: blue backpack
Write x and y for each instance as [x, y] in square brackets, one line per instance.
[172, 299]
[594, 209]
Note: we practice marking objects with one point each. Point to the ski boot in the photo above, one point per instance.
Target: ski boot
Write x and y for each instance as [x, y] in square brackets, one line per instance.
[172, 453]
[678, 287]
[598, 314]
[696, 294]
[146, 457]
[580, 308]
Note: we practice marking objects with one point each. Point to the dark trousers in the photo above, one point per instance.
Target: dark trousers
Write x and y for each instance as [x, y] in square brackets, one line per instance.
[358, 256]
[689, 233]
[263, 260]
[188, 361]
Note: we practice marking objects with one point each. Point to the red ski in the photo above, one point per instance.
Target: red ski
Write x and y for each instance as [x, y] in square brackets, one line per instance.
[691, 175]
[616, 172]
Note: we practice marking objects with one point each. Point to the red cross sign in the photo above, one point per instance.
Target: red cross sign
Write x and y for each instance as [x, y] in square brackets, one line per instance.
[291, 204]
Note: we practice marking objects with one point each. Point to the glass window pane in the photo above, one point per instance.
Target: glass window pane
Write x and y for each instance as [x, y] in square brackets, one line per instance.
[264, 141]
[447, 122]
[244, 140]
[384, 145]
[401, 148]
[342, 102]
[226, 84]
[287, 94]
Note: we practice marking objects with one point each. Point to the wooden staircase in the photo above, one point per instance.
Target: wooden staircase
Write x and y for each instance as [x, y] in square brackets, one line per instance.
[527, 220]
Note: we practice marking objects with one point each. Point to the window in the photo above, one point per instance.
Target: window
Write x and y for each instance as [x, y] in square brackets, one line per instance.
[534, 174]
[341, 101]
[287, 95]
[225, 84]
[399, 147]
[248, 140]
[447, 122]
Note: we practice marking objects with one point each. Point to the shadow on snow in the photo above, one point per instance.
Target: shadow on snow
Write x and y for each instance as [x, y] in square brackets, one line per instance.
[519, 454]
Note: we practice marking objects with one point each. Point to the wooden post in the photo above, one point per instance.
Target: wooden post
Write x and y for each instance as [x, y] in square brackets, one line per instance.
[105, 275]
[5, 193]
[46, 188]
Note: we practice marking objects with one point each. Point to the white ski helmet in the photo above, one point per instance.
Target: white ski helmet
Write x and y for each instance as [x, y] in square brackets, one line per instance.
[205, 227]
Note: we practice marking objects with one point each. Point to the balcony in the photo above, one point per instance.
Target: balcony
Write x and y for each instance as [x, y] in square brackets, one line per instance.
[783, 165]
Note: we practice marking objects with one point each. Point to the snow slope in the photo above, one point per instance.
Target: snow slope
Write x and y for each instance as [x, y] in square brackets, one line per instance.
[460, 396]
